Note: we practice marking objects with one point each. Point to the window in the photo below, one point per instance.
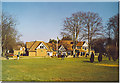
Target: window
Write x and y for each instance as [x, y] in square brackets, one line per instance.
[59, 53]
[48, 54]
[78, 47]
[62, 49]
[83, 47]
[41, 47]
[69, 53]
[81, 53]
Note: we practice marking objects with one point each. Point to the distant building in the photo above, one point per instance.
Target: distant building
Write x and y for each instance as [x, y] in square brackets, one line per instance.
[81, 47]
[19, 49]
[38, 48]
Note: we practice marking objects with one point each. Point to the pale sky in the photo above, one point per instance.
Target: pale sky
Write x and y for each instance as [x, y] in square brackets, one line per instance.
[44, 20]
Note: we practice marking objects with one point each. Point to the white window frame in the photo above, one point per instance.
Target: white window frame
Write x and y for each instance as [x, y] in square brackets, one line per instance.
[44, 47]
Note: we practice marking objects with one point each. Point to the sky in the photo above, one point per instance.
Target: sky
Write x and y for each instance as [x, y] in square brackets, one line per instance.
[42, 21]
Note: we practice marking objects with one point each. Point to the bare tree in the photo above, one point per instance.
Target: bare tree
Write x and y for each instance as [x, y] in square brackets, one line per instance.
[72, 26]
[92, 27]
[113, 28]
[9, 34]
[83, 25]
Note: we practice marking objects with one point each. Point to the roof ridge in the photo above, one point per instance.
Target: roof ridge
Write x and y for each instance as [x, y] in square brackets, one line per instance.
[32, 44]
[39, 43]
[47, 46]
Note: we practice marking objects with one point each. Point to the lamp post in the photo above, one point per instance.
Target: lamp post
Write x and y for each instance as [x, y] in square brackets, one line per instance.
[57, 45]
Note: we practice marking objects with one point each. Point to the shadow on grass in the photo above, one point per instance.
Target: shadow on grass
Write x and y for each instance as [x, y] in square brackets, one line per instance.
[90, 62]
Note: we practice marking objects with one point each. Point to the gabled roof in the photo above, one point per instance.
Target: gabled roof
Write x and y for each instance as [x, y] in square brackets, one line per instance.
[80, 43]
[61, 47]
[85, 44]
[29, 44]
[69, 48]
[65, 41]
[48, 48]
[18, 46]
[52, 46]
[33, 45]
[67, 44]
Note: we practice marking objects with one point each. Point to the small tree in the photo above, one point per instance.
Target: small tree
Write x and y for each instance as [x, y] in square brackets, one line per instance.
[52, 41]
[113, 52]
[100, 57]
[92, 27]
[113, 25]
[98, 45]
[9, 35]
[92, 58]
[112, 34]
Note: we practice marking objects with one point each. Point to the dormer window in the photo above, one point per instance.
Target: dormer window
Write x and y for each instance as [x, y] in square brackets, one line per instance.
[41, 47]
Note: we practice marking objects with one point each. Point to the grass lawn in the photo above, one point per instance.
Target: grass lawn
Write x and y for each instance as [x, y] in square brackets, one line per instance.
[55, 69]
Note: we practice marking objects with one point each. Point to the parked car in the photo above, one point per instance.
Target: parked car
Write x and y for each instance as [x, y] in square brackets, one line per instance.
[59, 56]
[24, 55]
[9, 55]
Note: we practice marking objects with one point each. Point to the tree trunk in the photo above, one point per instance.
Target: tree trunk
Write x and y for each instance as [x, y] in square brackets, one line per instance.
[109, 58]
[4, 52]
[116, 44]
[73, 53]
[0, 45]
[57, 48]
[88, 39]
[89, 49]
[73, 47]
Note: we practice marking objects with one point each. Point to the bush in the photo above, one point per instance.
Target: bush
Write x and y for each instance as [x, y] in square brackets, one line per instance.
[100, 57]
[92, 58]
[113, 52]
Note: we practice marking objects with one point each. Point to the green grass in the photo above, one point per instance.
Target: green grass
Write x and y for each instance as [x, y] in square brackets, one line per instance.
[54, 69]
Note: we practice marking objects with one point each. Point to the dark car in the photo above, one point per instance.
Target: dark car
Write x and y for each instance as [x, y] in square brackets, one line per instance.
[10, 54]
[23, 55]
